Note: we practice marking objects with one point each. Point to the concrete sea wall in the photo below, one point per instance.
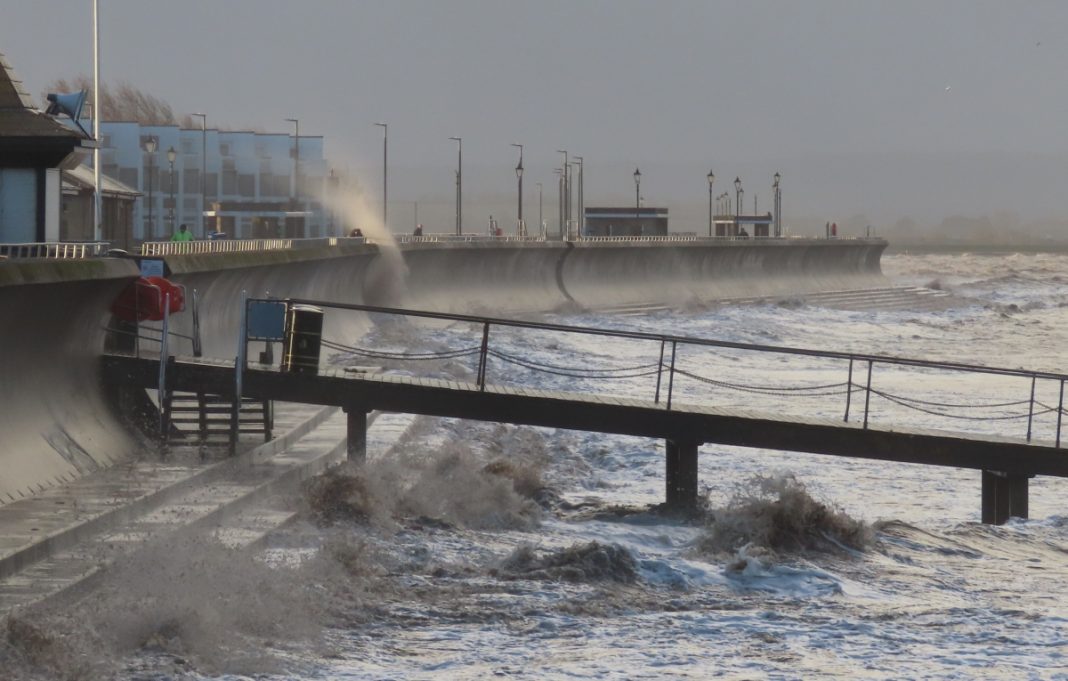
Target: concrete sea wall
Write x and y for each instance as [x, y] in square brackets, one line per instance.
[57, 422]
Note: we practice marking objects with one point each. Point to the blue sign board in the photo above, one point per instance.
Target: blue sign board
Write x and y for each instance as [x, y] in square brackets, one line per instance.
[151, 268]
[266, 320]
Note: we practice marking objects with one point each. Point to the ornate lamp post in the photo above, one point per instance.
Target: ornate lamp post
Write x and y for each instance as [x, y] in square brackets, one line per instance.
[171, 155]
[711, 178]
[150, 148]
[737, 202]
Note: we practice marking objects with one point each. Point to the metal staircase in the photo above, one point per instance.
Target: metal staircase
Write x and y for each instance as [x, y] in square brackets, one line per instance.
[208, 419]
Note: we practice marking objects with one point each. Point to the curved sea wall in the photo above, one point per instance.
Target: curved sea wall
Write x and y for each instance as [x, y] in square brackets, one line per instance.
[57, 422]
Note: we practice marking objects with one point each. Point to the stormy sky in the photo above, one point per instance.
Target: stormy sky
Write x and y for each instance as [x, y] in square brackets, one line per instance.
[887, 109]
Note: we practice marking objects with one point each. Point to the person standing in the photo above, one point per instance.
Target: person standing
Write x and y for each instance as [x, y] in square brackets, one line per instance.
[183, 234]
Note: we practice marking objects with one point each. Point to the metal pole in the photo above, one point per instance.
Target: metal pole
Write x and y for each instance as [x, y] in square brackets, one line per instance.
[97, 230]
[849, 390]
[385, 172]
[296, 165]
[581, 227]
[671, 376]
[565, 200]
[659, 372]
[867, 395]
[709, 209]
[151, 172]
[482, 357]
[540, 223]
[172, 195]
[1031, 408]
[1060, 411]
[459, 184]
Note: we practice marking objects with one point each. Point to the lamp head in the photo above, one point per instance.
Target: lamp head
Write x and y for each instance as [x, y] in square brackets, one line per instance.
[711, 178]
[637, 176]
[150, 145]
[737, 184]
[778, 176]
[171, 155]
[519, 170]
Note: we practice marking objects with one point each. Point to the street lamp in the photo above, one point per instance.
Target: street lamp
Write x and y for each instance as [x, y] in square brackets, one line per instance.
[520, 231]
[565, 196]
[581, 201]
[541, 225]
[778, 204]
[637, 192]
[711, 179]
[385, 171]
[459, 183]
[171, 155]
[738, 193]
[150, 149]
[203, 166]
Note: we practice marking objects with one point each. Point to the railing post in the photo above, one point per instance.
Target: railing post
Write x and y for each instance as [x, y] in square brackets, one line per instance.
[1031, 408]
[867, 395]
[1060, 411]
[481, 379]
[239, 371]
[162, 398]
[659, 371]
[671, 376]
[849, 390]
[197, 348]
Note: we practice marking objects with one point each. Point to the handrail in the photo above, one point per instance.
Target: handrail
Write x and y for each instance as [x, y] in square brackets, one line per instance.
[686, 340]
[484, 352]
[61, 250]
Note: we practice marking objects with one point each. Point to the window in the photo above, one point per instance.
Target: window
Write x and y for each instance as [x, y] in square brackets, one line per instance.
[224, 150]
[246, 185]
[191, 180]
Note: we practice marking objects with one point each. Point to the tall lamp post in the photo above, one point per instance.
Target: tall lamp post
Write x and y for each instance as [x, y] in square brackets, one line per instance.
[171, 155]
[541, 225]
[711, 178]
[459, 184]
[565, 198]
[778, 204]
[581, 201]
[637, 192]
[385, 172]
[203, 168]
[520, 230]
[150, 149]
[737, 202]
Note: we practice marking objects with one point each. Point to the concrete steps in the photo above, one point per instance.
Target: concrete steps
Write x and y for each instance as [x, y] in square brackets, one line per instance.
[49, 552]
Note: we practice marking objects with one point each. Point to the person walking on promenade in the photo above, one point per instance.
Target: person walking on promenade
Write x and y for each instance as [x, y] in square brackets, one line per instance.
[183, 234]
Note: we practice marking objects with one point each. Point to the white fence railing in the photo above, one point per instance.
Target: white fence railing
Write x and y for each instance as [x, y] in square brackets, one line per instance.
[55, 249]
[214, 246]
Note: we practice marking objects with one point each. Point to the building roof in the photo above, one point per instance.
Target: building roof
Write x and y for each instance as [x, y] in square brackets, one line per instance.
[19, 118]
[81, 177]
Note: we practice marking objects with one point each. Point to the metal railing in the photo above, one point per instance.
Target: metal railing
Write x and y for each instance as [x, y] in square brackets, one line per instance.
[461, 238]
[214, 246]
[669, 370]
[63, 250]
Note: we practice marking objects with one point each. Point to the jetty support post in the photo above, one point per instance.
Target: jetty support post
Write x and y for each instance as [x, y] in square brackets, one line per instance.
[681, 473]
[1004, 496]
[356, 432]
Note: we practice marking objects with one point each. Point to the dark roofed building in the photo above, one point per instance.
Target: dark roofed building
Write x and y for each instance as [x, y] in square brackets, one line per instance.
[33, 147]
[626, 221]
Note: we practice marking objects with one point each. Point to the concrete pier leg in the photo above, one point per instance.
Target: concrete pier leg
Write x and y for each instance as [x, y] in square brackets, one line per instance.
[1004, 496]
[356, 431]
[681, 473]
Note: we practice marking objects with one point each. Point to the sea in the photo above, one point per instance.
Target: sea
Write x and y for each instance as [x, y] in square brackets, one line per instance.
[464, 550]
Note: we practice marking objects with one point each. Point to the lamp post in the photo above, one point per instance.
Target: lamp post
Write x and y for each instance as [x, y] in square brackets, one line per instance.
[581, 201]
[737, 202]
[565, 196]
[385, 172]
[559, 201]
[97, 231]
[171, 155]
[778, 204]
[541, 225]
[203, 167]
[150, 149]
[520, 231]
[711, 178]
[637, 192]
[459, 184]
